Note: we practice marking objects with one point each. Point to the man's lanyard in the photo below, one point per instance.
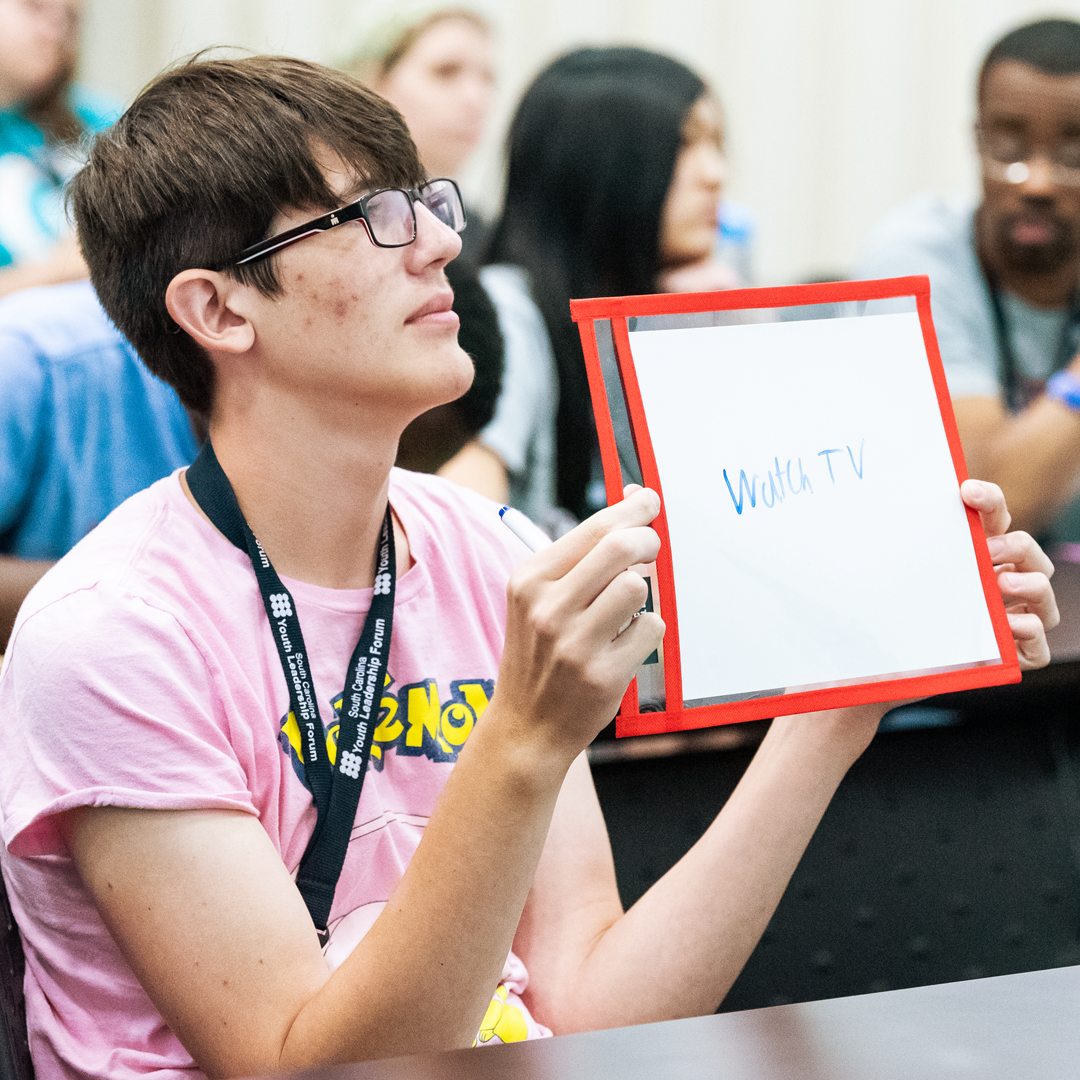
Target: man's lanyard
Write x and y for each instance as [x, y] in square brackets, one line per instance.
[1019, 390]
[335, 788]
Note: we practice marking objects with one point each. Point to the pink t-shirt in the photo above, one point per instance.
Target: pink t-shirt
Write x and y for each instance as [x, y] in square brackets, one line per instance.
[142, 672]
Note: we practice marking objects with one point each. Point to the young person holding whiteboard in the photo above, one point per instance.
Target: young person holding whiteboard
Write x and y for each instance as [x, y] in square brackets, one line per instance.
[195, 893]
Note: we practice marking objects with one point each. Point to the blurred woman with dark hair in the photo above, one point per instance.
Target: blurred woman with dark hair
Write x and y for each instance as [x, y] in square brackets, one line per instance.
[42, 117]
[613, 187]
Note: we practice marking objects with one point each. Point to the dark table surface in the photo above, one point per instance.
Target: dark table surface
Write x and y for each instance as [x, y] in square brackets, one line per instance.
[1014, 1027]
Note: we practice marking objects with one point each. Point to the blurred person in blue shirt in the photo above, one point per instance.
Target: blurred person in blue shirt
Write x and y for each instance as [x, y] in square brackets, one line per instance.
[83, 425]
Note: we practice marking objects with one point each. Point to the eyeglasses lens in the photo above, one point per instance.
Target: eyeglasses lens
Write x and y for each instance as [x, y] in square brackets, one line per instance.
[443, 200]
[390, 216]
[1002, 150]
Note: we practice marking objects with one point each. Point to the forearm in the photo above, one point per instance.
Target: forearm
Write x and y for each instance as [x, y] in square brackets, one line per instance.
[17, 578]
[679, 949]
[444, 936]
[435, 952]
[1034, 456]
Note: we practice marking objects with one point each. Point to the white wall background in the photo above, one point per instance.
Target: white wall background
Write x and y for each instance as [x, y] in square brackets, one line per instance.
[837, 110]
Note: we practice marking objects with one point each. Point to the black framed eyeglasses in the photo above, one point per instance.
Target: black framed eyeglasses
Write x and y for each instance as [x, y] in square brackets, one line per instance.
[389, 214]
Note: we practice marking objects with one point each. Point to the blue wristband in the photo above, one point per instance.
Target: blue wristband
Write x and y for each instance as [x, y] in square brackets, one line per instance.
[1065, 387]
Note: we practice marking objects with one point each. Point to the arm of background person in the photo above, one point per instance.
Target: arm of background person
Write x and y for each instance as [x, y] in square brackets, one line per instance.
[479, 468]
[525, 409]
[1034, 456]
[23, 394]
[677, 951]
[17, 578]
[209, 919]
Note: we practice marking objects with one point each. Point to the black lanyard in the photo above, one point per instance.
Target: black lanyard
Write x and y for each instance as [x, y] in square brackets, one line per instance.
[1019, 391]
[335, 788]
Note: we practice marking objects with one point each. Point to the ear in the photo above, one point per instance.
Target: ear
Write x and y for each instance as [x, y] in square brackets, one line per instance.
[199, 302]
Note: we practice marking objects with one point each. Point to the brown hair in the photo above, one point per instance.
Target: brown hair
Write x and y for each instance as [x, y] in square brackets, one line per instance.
[51, 110]
[197, 169]
[392, 40]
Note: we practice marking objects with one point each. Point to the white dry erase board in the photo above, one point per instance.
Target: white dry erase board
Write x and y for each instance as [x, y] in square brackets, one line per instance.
[815, 548]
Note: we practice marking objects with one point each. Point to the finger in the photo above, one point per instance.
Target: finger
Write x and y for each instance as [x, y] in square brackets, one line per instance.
[635, 644]
[614, 608]
[629, 489]
[639, 508]
[1031, 592]
[564, 608]
[1030, 636]
[612, 556]
[989, 500]
[1019, 549]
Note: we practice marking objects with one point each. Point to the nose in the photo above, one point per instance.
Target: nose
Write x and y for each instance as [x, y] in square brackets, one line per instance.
[477, 88]
[436, 243]
[713, 168]
[1039, 181]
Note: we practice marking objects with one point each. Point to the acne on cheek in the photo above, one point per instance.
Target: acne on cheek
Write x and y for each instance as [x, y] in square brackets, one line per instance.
[341, 307]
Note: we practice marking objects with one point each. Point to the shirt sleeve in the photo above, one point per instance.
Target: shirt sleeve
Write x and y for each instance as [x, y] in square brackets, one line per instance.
[966, 341]
[926, 239]
[108, 702]
[527, 362]
[22, 407]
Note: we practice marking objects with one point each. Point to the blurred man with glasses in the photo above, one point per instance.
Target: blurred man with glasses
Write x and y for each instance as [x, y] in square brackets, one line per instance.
[1005, 277]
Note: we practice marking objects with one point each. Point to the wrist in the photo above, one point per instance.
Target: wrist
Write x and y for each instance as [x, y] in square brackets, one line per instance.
[532, 764]
[836, 736]
[1064, 386]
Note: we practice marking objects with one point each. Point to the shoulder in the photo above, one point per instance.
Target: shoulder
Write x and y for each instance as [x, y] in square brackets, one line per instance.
[923, 235]
[528, 347]
[448, 524]
[130, 631]
[54, 320]
[54, 328]
[96, 111]
[153, 549]
[18, 135]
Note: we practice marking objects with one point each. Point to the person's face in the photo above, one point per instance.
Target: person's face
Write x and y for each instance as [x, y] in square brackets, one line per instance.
[442, 87]
[1034, 226]
[691, 208]
[37, 37]
[362, 326]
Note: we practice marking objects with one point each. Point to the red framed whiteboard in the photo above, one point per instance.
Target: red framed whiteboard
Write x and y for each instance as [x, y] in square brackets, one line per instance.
[801, 439]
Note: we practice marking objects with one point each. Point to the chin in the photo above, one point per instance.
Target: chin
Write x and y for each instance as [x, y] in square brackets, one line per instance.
[452, 377]
[1041, 258]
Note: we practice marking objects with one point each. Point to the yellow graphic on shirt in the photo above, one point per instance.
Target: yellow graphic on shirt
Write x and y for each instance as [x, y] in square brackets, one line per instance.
[414, 721]
[503, 1021]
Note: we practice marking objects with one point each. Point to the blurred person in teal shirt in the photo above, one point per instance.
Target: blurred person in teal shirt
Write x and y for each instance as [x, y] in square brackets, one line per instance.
[43, 116]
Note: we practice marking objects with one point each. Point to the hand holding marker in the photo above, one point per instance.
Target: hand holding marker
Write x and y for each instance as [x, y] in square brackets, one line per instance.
[535, 539]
